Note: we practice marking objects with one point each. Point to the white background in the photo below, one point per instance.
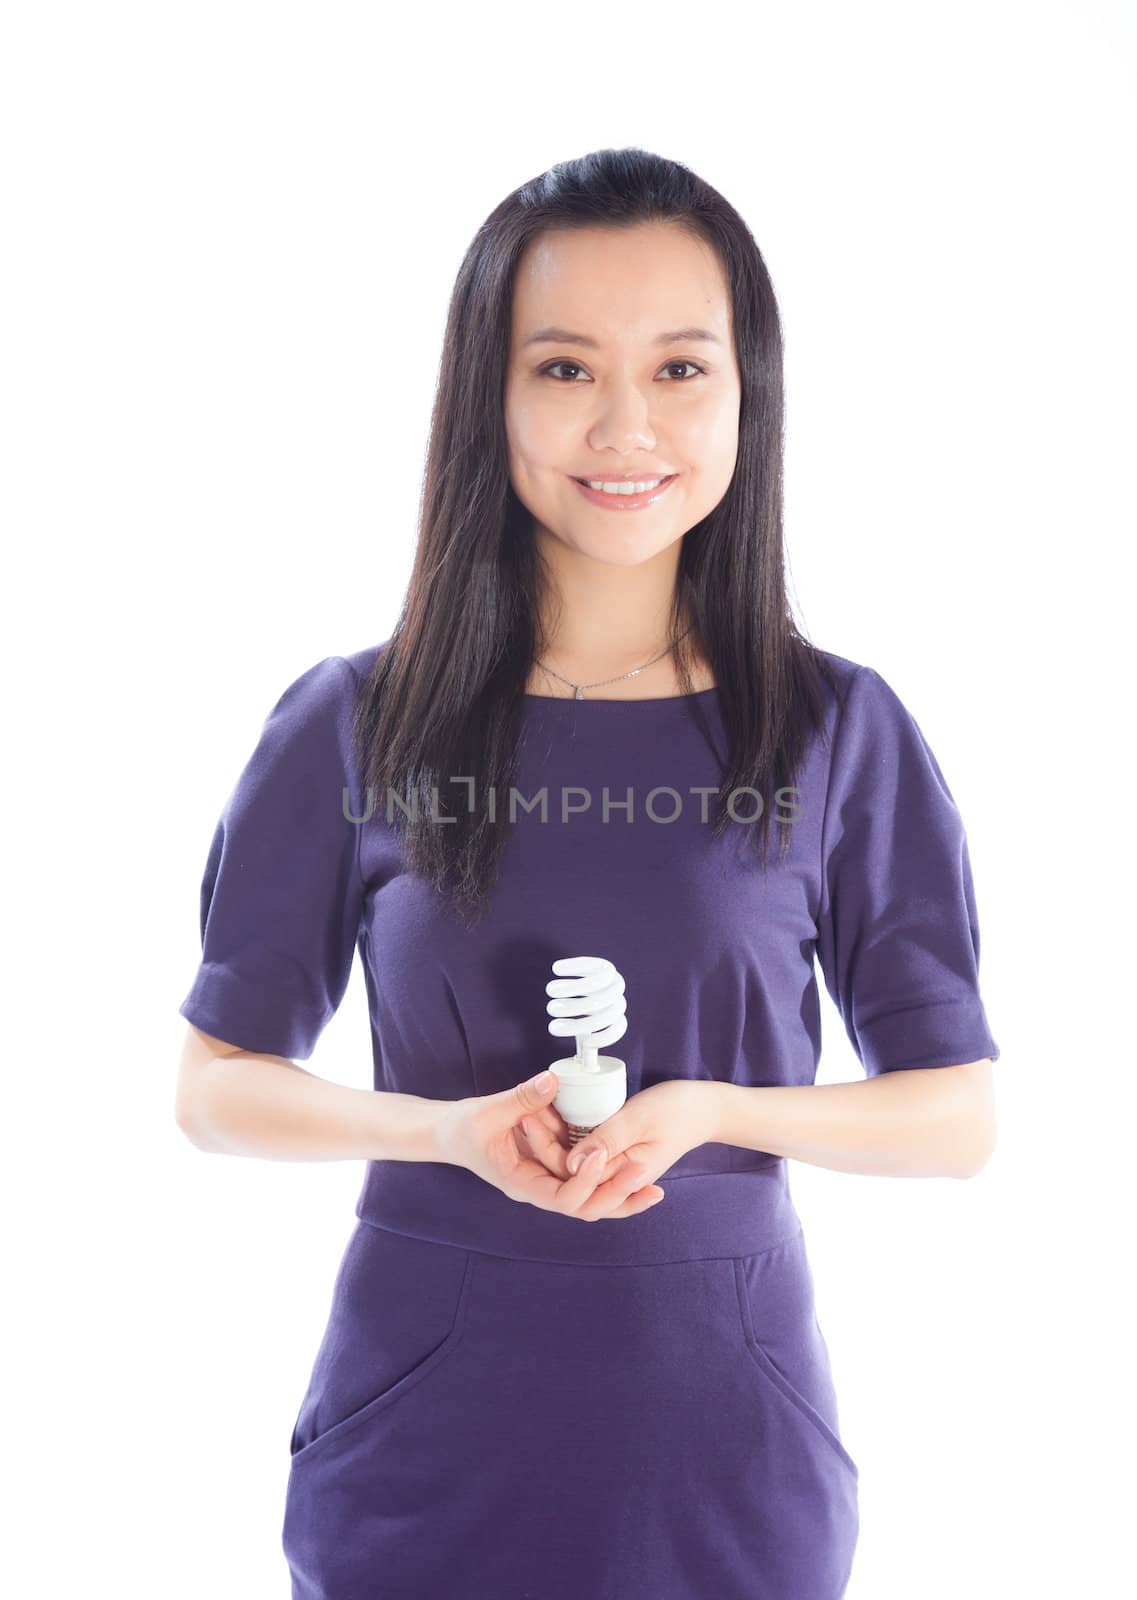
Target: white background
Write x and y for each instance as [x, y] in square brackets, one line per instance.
[230, 236]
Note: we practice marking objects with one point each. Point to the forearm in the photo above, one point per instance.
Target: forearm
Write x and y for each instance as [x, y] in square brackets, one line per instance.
[253, 1105]
[922, 1123]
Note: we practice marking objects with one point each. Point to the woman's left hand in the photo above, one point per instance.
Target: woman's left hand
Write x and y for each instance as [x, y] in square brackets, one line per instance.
[655, 1128]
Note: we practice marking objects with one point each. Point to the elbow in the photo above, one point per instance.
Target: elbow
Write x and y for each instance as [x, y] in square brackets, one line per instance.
[979, 1149]
[191, 1113]
[973, 1168]
[973, 1116]
[191, 1126]
[195, 1083]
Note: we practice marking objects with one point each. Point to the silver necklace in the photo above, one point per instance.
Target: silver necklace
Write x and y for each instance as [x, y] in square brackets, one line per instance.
[581, 687]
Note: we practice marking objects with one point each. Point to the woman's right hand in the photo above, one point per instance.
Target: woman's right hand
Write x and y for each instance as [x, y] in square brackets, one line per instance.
[483, 1134]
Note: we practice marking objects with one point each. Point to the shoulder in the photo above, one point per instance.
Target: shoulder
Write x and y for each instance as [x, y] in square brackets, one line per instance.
[362, 661]
[841, 666]
[841, 678]
[861, 690]
[311, 722]
[328, 688]
[871, 731]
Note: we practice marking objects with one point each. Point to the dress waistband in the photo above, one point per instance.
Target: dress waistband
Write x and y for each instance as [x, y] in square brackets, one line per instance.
[702, 1215]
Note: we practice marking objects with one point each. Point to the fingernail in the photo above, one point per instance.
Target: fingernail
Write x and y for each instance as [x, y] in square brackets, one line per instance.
[576, 1160]
[543, 1080]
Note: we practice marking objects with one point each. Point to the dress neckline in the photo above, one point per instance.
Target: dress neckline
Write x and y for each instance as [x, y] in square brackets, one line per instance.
[647, 700]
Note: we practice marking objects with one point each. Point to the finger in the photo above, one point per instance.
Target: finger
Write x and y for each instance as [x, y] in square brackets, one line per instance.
[608, 1167]
[586, 1146]
[552, 1125]
[536, 1093]
[535, 1184]
[640, 1200]
[593, 1181]
[577, 1155]
[549, 1117]
[617, 1164]
[548, 1147]
[624, 1195]
[545, 1146]
[578, 1187]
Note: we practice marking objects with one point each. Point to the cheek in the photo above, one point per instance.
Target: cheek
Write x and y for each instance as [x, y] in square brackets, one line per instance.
[537, 436]
[713, 447]
[712, 433]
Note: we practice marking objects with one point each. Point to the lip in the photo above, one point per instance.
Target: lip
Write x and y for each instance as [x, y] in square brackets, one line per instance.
[625, 502]
[624, 477]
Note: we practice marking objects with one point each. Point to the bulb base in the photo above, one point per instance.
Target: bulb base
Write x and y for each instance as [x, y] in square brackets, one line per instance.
[585, 1099]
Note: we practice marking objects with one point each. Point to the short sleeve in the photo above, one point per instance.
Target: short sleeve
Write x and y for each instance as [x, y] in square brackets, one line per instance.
[898, 934]
[281, 898]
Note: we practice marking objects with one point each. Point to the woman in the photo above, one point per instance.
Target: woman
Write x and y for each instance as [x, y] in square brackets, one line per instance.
[506, 1402]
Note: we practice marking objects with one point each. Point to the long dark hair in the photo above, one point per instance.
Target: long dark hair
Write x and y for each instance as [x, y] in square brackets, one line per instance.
[445, 694]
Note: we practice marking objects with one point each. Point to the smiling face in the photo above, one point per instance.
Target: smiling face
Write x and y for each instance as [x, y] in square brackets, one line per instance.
[637, 394]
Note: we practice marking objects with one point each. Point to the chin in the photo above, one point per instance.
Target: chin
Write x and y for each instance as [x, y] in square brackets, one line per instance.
[625, 551]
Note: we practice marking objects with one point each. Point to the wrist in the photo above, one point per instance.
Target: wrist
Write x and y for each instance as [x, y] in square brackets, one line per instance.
[716, 1111]
[443, 1132]
[407, 1127]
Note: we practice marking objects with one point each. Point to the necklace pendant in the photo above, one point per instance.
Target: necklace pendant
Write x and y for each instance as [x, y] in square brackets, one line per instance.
[580, 694]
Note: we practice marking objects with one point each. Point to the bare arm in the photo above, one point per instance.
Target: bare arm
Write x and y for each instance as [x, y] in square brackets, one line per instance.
[934, 1122]
[233, 1102]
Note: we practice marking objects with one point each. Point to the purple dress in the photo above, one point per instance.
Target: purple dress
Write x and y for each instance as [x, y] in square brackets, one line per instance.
[507, 1403]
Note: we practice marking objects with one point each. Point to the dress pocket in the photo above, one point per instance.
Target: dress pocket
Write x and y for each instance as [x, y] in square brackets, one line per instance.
[398, 1312]
[784, 1340]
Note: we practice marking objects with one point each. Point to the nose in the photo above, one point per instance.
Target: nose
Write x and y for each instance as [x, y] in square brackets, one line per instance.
[622, 421]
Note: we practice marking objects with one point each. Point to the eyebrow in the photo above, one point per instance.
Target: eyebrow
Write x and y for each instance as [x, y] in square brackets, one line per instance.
[563, 336]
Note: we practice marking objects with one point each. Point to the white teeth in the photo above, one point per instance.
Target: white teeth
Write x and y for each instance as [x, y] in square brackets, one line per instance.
[625, 488]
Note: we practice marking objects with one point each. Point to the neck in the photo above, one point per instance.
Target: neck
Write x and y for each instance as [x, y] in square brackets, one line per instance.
[599, 614]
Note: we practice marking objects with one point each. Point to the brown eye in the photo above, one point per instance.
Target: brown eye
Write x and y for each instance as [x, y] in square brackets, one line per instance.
[550, 370]
[547, 371]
